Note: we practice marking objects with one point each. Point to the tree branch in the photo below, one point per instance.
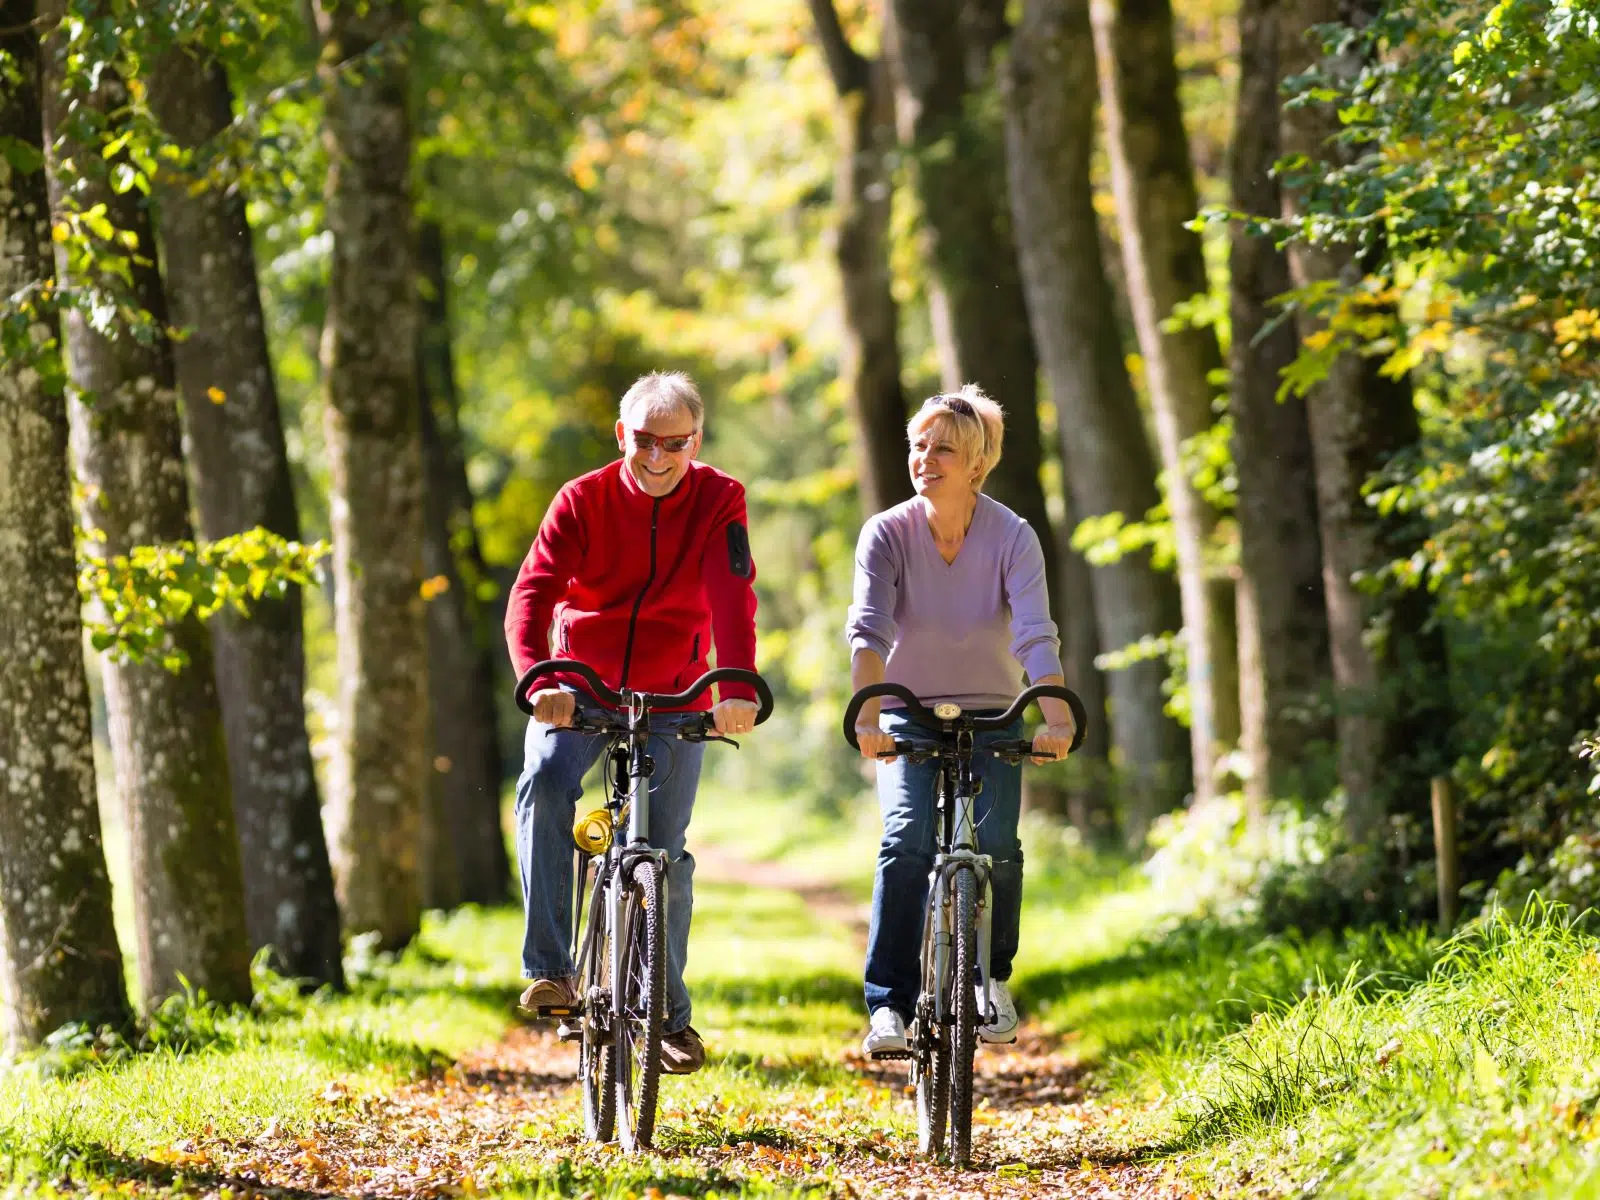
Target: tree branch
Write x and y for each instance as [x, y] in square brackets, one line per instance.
[848, 68]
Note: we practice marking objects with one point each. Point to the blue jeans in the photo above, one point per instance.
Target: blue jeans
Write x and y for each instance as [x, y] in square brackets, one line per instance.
[900, 890]
[547, 797]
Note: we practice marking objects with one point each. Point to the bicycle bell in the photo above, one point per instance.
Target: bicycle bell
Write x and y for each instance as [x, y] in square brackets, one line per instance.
[945, 710]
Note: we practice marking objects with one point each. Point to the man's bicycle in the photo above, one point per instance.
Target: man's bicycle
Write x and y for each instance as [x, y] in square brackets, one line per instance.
[619, 942]
[955, 930]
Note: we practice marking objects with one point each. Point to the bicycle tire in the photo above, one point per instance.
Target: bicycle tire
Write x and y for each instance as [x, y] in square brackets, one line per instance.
[597, 1063]
[637, 1012]
[963, 1014]
[932, 1068]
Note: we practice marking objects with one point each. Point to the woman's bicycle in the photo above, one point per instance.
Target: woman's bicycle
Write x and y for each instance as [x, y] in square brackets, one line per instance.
[620, 949]
[955, 930]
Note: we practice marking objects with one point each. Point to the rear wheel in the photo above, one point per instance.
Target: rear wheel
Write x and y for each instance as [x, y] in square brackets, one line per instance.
[931, 1069]
[963, 1013]
[639, 1001]
[597, 1063]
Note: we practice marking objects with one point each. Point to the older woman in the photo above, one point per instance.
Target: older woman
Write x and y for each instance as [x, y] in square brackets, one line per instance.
[950, 600]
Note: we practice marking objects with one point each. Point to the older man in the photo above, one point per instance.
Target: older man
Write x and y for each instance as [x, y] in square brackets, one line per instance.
[640, 567]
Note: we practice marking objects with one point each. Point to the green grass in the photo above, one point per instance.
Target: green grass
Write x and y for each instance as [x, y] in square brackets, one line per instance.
[443, 997]
[1372, 1063]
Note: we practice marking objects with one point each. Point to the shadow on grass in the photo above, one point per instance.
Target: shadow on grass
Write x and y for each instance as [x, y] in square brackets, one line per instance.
[94, 1166]
[803, 1072]
[637, 1177]
[357, 1048]
[828, 987]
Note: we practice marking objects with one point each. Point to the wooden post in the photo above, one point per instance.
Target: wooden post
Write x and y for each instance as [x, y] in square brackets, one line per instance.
[1444, 847]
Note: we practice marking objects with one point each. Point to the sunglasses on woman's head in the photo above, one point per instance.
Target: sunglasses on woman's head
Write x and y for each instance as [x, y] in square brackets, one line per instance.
[957, 404]
[646, 442]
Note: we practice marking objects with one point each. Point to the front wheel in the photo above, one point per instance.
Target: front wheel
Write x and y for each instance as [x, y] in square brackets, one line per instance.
[639, 1002]
[963, 1014]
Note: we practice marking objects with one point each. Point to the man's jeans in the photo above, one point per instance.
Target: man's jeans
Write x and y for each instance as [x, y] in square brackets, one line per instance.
[547, 797]
[900, 891]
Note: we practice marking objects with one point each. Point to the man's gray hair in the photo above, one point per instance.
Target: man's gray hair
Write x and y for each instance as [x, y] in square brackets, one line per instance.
[660, 394]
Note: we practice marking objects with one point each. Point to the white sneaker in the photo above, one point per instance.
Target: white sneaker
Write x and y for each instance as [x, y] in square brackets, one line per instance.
[887, 1035]
[1004, 1026]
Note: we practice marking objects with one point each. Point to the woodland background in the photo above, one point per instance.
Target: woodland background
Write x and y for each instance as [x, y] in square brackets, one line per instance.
[308, 311]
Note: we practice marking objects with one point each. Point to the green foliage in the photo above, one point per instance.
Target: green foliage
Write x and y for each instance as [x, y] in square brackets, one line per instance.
[137, 598]
[1466, 189]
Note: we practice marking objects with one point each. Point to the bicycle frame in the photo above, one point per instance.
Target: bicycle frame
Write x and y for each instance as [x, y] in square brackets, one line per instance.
[630, 753]
[955, 800]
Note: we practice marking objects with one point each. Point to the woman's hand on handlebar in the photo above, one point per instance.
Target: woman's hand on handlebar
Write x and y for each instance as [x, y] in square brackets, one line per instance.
[554, 706]
[874, 742]
[735, 716]
[1053, 742]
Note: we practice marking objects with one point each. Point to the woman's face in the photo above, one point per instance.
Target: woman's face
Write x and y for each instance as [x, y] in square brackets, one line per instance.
[938, 468]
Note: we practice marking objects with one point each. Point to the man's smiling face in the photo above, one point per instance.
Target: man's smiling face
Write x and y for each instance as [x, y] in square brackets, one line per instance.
[658, 449]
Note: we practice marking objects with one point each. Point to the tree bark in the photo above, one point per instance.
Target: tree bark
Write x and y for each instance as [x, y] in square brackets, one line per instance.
[1153, 185]
[1279, 544]
[379, 784]
[240, 467]
[1107, 460]
[1391, 712]
[862, 197]
[166, 728]
[461, 677]
[59, 959]
[943, 52]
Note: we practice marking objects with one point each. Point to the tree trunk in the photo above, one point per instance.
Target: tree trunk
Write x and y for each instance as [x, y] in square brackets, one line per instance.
[943, 50]
[369, 370]
[59, 959]
[1390, 679]
[461, 678]
[1105, 454]
[240, 467]
[1153, 184]
[166, 728]
[863, 194]
[1280, 549]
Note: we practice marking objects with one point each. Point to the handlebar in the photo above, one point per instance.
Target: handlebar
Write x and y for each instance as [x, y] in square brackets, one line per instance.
[922, 712]
[609, 695]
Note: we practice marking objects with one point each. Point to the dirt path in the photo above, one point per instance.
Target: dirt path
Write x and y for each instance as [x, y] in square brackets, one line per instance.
[828, 901]
[496, 1120]
[505, 1117]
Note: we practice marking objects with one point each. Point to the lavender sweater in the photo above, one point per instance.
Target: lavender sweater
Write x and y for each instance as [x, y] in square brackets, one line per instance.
[963, 631]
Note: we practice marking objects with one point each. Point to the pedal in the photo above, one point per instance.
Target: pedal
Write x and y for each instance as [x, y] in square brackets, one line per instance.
[546, 1012]
[891, 1055]
[569, 1031]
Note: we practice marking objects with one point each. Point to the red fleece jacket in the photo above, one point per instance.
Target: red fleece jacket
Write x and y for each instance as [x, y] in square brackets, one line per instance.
[637, 586]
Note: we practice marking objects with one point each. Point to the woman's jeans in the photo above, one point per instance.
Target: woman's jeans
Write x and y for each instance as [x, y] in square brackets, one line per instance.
[900, 891]
[547, 799]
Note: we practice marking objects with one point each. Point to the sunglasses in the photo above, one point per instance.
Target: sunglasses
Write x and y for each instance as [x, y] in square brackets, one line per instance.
[646, 442]
[957, 404]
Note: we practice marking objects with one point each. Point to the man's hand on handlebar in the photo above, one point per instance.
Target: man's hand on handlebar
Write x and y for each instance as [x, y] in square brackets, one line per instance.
[874, 742]
[554, 706]
[734, 716]
[1053, 743]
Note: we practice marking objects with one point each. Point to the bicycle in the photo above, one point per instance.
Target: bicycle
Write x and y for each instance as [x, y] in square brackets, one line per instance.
[943, 1035]
[620, 949]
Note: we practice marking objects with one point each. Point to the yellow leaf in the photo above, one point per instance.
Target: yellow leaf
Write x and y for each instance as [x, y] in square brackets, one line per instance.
[216, 395]
[59, 232]
[436, 586]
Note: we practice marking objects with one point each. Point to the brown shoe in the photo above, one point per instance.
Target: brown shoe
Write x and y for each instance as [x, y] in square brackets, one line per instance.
[682, 1053]
[550, 993]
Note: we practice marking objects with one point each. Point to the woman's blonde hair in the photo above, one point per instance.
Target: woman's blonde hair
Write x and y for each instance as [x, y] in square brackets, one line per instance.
[974, 424]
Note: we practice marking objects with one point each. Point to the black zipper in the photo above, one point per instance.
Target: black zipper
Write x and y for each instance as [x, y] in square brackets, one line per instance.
[633, 621]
